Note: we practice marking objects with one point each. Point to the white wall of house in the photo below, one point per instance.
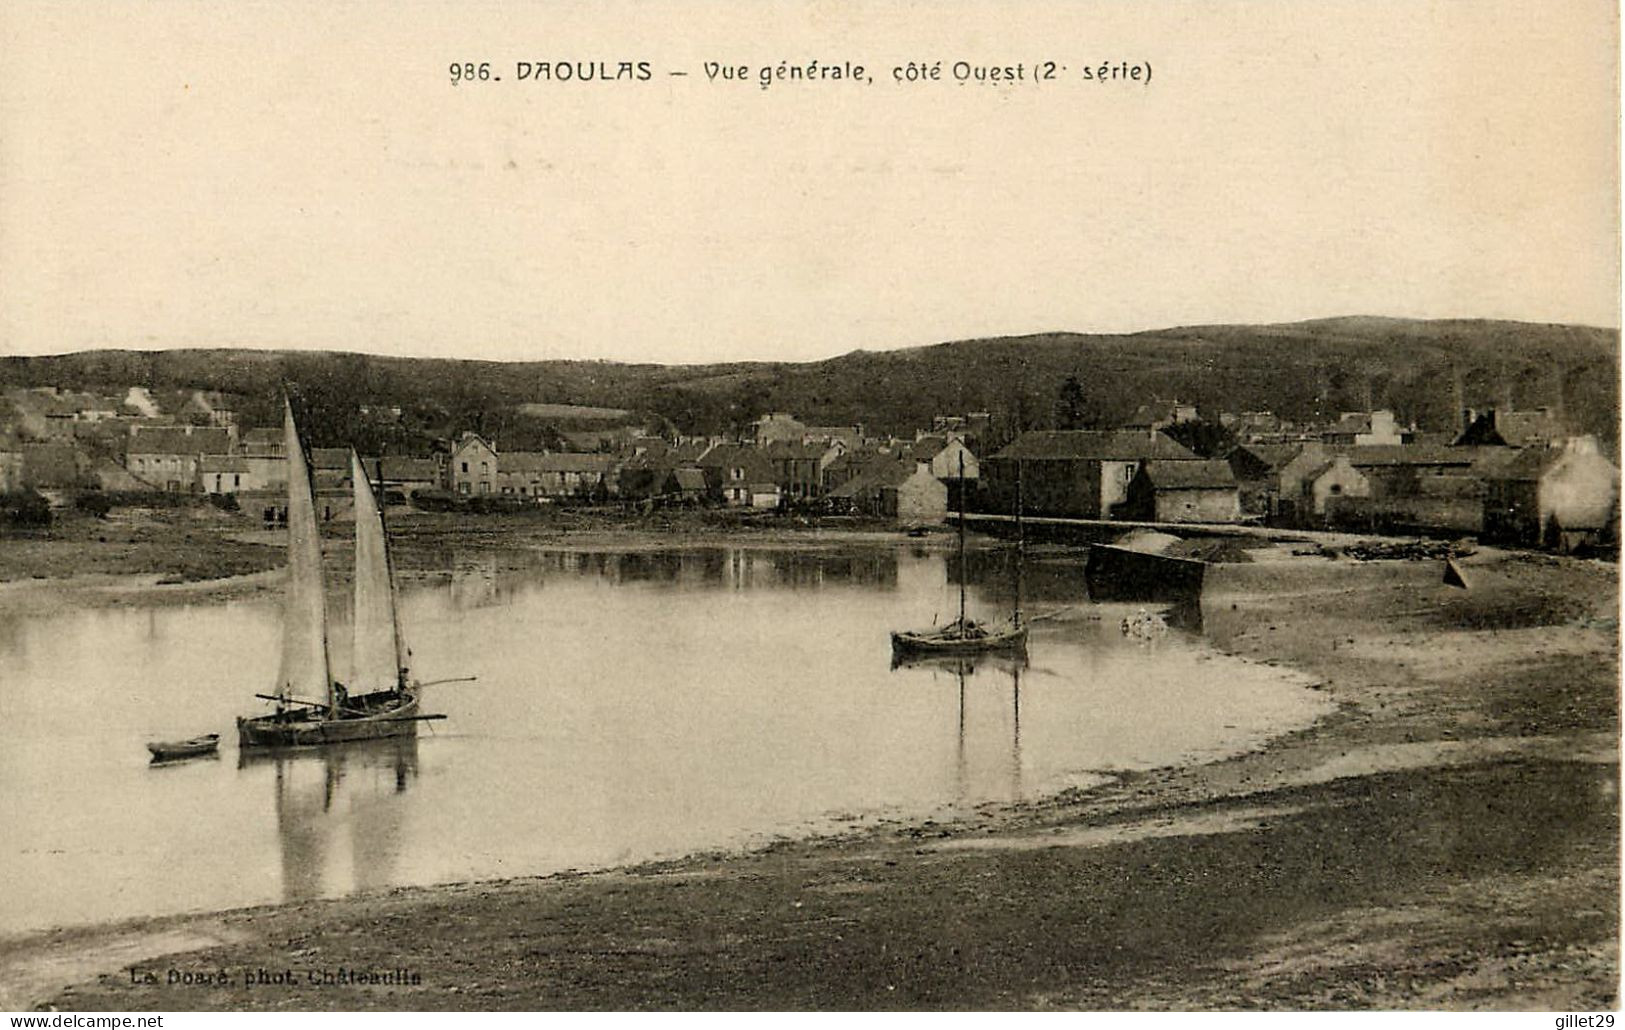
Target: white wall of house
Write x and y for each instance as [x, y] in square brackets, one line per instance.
[945, 465]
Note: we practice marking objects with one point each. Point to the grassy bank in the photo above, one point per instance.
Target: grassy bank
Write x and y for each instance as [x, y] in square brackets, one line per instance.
[187, 544]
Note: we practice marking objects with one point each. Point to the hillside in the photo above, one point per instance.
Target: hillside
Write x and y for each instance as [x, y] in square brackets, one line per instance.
[1302, 371]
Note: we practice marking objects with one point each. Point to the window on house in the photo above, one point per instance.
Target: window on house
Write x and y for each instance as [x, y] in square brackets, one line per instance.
[462, 488]
[465, 466]
[485, 468]
[485, 488]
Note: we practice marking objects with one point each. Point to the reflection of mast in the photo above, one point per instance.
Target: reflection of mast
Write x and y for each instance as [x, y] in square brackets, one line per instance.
[298, 827]
[366, 808]
[1015, 735]
[959, 763]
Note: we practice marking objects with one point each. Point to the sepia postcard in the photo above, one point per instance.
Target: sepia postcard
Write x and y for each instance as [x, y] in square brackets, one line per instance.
[824, 505]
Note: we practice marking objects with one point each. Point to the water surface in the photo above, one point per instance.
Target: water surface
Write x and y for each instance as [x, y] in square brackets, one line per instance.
[628, 706]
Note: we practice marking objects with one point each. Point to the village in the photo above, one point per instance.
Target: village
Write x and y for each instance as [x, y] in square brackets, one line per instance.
[1512, 477]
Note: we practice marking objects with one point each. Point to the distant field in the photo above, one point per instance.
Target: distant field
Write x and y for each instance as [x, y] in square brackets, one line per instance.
[579, 411]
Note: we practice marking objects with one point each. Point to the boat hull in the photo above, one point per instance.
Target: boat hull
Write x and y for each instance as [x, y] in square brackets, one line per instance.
[940, 643]
[1120, 574]
[395, 716]
[167, 751]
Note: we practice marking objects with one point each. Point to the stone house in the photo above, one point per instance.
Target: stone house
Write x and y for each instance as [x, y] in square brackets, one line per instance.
[225, 474]
[544, 474]
[263, 453]
[473, 466]
[797, 467]
[740, 476]
[1265, 473]
[169, 458]
[1334, 480]
[863, 492]
[947, 456]
[1496, 428]
[1182, 491]
[920, 497]
[685, 485]
[404, 476]
[1074, 473]
[1553, 497]
[1366, 429]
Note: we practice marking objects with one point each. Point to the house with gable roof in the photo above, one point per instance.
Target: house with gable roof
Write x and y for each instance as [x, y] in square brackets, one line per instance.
[1073, 473]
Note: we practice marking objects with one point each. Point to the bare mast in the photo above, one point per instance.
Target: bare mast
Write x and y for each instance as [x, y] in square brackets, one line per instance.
[961, 543]
[1021, 545]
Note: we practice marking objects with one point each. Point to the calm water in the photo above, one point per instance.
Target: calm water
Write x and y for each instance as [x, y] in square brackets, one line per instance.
[629, 706]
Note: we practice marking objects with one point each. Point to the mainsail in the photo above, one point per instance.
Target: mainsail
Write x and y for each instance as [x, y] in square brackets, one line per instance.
[378, 656]
[304, 671]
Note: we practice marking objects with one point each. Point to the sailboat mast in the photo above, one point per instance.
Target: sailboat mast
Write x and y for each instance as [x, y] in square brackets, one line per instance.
[376, 656]
[305, 667]
[389, 566]
[961, 542]
[1021, 545]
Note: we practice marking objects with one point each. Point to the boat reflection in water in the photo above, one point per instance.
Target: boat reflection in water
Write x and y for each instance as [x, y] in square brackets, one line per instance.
[987, 739]
[339, 813]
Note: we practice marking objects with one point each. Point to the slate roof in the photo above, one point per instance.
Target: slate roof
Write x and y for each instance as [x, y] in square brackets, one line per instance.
[927, 448]
[1407, 454]
[330, 458]
[1076, 444]
[1213, 474]
[689, 478]
[544, 461]
[178, 440]
[1525, 465]
[782, 450]
[402, 469]
[1273, 455]
[733, 455]
[876, 475]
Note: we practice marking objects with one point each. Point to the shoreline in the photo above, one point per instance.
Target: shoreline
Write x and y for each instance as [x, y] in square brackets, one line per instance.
[1445, 704]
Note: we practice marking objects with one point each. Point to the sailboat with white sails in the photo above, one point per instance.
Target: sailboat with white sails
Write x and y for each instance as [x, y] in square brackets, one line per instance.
[311, 707]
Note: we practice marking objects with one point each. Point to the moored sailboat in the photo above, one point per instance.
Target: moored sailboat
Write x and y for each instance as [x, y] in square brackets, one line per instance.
[964, 635]
[311, 707]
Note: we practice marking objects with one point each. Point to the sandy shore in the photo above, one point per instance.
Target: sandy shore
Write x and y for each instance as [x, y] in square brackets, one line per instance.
[1447, 839]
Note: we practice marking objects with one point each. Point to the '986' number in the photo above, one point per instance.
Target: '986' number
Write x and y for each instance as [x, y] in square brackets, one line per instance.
[471, 72]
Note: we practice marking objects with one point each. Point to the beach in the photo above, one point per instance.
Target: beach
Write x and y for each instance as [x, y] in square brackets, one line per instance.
[1447, 838]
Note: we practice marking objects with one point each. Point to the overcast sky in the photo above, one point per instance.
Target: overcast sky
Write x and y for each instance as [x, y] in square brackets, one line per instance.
[307, 176]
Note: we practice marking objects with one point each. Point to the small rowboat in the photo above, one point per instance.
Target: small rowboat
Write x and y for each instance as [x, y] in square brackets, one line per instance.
[960, 638]
[169, 750]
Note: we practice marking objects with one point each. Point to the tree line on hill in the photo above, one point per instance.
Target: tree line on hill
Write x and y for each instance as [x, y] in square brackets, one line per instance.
[1424, 371]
